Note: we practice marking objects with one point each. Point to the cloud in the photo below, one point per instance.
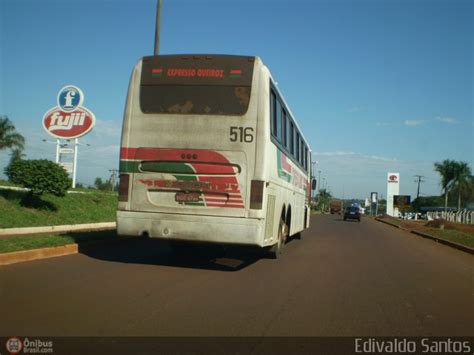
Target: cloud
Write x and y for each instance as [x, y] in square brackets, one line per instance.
[354, 109]
[338, 153]
[413, 123]
[382, 124]
[447, 120]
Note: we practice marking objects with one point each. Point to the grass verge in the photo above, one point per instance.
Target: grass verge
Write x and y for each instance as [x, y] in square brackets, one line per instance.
[12, 244]
[51, 210]
[454, 236]
[454, 232]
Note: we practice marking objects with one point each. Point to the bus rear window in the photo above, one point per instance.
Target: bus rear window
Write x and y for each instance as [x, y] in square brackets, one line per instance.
[205, 85]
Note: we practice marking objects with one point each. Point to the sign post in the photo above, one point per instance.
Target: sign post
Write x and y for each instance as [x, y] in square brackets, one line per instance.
[68, 120]
[393, 188]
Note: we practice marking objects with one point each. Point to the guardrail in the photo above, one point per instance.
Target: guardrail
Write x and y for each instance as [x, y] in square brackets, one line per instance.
[464, 217]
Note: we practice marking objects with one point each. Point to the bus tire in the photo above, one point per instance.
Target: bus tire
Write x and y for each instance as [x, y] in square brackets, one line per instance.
[276, 250]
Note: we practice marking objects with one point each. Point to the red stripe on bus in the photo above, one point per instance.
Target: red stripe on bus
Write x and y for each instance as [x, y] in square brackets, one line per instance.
[237, 200]
[284, 163]
[164, 154]
[224, 205]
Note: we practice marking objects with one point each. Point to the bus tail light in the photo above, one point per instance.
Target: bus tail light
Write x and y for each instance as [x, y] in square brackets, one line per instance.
[256, 194]
[123, 187]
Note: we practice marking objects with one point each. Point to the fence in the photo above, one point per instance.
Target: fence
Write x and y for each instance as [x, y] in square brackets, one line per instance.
[464, 217]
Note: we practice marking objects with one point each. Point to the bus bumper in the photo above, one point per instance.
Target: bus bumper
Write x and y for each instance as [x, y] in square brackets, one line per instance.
[227, 230]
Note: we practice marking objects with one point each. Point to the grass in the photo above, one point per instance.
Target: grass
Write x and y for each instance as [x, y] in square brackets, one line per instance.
[454, 236]
[51, 210]
[7, 183]
[45, 241]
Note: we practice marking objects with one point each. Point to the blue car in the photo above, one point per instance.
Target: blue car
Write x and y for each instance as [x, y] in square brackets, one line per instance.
[352, 212]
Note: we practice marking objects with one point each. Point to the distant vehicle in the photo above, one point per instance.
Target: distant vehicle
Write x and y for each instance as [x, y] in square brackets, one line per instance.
[352, 212]
[211, 153]
[335, 206]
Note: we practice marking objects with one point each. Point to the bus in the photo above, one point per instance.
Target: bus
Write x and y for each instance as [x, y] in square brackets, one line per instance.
[210, 152]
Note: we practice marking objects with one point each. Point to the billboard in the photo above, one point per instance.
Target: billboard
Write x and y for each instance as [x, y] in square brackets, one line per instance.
[69, 119]
[393, 188]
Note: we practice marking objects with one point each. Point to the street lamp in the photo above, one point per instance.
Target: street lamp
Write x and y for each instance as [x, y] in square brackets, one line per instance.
[58, 143]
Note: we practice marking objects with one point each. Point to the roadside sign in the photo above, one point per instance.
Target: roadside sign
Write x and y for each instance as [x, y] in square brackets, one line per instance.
[68, 166]
[74, 124]
[66, 151]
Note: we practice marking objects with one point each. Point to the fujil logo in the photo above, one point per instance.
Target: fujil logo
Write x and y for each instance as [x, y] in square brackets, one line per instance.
[69, 119]
[68, 124]
[59, 121]
[70, 97]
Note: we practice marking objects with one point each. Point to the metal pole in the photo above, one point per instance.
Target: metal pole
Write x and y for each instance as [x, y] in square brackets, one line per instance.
[157, 27]
[74, 167]
[58, 144]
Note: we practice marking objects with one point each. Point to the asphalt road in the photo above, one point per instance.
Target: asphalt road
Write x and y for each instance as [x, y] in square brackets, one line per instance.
[341, 279]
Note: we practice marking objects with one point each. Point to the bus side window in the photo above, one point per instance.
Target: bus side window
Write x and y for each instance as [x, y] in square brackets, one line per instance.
[284, 129]
[303, 157]
[306, 157]
[292, 138]
[278, 119]
[297, 146]
[273, 113]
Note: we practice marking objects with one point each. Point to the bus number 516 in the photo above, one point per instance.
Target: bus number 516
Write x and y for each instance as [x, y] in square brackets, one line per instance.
[241, 134]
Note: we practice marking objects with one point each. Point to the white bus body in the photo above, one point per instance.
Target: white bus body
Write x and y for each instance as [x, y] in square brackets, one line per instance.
[200, 172]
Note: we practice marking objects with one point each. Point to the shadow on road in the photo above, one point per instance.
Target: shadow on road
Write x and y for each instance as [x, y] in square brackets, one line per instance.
[150, 251]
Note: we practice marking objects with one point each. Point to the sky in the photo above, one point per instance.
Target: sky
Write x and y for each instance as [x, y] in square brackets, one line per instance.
[376, 86]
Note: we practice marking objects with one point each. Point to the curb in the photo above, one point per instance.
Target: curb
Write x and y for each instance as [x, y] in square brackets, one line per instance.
[446, 242]
[389, 223]
[36, 254]
[87, 227]
[455, 245]
[15, 257]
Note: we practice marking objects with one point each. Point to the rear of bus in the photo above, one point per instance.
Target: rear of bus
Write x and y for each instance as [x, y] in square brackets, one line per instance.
[188, 150]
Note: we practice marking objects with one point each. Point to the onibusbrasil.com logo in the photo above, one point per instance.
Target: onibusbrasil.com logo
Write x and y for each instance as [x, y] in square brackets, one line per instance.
[16, 345]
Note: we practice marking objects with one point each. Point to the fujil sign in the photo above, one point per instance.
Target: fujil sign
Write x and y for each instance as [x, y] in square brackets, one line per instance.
[69, 119]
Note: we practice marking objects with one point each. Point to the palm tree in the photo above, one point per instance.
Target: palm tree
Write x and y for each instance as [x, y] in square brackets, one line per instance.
[9, 137]
[462, 179]
[446, 169]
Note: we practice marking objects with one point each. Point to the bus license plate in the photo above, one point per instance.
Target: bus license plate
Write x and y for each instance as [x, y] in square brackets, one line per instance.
[186, 197]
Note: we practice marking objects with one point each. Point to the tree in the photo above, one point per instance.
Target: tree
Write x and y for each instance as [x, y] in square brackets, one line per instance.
[16, 155]
[39, 176]
[447, 171]
[103, 185]
[323, 198]
[462, 179]
[9, 137]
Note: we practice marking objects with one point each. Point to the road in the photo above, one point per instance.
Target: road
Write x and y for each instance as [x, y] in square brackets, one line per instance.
[341, 279]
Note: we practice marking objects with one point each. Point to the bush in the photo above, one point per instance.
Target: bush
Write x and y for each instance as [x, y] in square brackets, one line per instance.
[39, 176]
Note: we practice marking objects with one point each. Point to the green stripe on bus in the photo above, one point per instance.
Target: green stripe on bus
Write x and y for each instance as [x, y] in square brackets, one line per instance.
[129, 166]
[168, 168]
[282, 174]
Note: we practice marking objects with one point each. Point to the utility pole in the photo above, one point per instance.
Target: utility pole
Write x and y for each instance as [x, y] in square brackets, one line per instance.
[157, 27]
[113, 177]
[419, 182]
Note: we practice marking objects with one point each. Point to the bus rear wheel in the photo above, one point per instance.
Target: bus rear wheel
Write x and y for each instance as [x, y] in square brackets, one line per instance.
[277, 249]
